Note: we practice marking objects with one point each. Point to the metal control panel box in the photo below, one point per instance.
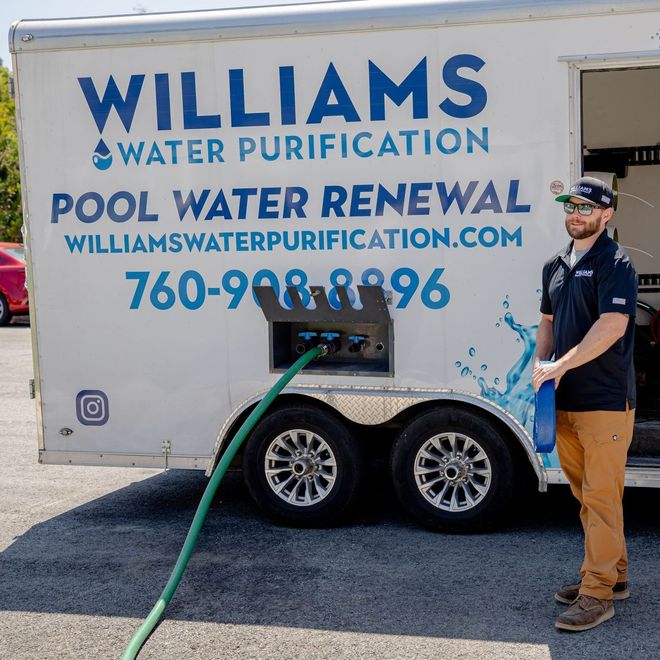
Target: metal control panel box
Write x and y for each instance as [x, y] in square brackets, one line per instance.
[361, 340]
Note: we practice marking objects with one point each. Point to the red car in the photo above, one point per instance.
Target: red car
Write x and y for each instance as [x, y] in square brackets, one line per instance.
[13, 292]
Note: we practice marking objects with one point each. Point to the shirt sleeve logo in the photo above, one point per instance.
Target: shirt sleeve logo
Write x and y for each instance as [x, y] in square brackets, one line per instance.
[618, 301]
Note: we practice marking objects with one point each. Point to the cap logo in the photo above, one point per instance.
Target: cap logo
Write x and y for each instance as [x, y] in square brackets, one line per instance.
[583, 189]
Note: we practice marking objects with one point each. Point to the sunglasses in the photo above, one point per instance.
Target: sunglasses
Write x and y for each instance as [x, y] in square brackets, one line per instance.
[582, 209]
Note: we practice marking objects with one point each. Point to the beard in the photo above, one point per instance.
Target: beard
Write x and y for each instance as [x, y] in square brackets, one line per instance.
[590, 227]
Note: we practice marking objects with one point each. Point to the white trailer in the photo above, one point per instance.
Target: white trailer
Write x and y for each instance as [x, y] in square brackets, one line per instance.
[173, 162]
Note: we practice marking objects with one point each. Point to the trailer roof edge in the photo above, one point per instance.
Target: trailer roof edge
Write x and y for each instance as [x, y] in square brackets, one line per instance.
[285, 20]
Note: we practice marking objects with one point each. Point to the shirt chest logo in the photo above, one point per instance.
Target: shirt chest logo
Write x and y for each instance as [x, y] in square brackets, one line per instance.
[584, 273]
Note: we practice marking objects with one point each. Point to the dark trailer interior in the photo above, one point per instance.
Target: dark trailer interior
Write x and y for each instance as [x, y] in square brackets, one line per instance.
[621, 135]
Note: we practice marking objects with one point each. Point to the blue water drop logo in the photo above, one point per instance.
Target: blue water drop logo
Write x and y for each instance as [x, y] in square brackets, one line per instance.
[102, 157]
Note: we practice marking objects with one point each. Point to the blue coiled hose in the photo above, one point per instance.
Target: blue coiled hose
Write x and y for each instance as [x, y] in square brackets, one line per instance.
[545, 422]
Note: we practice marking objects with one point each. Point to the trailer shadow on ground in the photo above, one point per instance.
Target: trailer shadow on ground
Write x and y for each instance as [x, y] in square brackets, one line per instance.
[379, 574]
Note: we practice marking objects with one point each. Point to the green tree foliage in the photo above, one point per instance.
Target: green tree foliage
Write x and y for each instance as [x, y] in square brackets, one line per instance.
[11, 216]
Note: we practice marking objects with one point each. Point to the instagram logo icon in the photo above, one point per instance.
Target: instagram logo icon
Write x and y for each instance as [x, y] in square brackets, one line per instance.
[92, 407]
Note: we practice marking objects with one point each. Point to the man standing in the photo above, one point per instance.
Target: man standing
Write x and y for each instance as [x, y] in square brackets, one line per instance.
[587, 323]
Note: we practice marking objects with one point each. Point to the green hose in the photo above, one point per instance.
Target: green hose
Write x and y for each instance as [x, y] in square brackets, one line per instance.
[156, 613]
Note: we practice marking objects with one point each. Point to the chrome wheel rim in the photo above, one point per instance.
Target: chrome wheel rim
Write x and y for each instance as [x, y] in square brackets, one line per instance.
[452, 472]
[300, 467]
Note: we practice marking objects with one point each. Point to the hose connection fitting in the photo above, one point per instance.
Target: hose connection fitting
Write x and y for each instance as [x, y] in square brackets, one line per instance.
[358, 343]
[309, 341]
[332, 341]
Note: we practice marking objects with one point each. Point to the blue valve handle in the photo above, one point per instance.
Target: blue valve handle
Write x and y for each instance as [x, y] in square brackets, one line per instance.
[356, 339]
[545, 422]
[307, 335]
[330, 335]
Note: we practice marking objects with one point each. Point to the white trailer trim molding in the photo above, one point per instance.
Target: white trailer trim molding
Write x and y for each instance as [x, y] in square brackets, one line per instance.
[106, 459]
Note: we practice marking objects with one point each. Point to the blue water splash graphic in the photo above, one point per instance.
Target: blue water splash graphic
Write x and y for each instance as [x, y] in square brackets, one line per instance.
[518, 394]
[102, 158]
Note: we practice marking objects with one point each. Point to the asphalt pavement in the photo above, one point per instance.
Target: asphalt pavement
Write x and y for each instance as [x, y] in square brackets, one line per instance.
[85, 553]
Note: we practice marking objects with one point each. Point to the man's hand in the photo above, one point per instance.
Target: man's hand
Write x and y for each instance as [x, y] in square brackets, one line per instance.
[543, 352]
[542, 372]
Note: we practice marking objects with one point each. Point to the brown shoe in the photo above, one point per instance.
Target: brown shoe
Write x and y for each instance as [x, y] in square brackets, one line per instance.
[585, 613]
[569, 592]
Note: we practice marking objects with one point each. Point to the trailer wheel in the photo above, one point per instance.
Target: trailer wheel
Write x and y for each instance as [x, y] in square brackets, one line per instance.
[302, 466]
[453, 471]
[5, 314]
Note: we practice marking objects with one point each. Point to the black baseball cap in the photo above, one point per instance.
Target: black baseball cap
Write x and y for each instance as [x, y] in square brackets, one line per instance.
[590, 190]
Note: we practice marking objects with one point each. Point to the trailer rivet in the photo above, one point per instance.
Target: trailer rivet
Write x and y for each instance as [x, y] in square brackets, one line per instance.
[27, 37]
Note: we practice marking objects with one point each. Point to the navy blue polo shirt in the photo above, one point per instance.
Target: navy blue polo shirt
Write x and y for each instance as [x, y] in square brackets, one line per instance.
[603, 280]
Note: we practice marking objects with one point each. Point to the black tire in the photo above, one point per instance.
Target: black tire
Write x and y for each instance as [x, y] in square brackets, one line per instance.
[482, 499]
[5, 314]
[310, 499]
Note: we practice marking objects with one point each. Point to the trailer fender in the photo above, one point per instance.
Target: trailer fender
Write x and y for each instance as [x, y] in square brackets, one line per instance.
[369, 405]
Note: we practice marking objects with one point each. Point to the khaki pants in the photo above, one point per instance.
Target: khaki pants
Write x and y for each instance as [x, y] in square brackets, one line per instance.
[592, 448]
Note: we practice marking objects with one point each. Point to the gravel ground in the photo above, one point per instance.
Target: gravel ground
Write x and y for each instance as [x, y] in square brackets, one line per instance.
[85, 552]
